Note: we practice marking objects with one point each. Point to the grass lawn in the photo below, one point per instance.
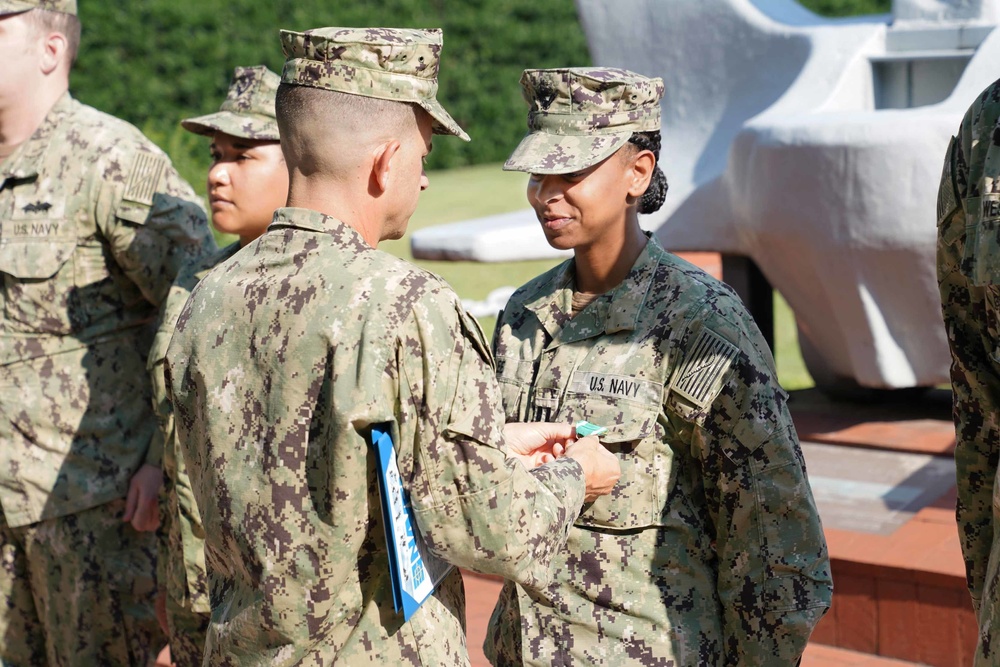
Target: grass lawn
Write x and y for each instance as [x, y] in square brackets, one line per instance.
[474, 192]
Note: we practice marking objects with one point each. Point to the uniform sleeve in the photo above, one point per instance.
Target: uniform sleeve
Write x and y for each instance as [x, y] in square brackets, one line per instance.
[975, 378]
[161, 405]
[169, 312]
[152, 221]
[476, 507]
[774, 577]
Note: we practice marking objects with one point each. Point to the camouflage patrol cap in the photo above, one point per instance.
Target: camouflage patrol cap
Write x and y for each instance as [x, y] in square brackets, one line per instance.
[579, 116]
[248, 111]
[18, 6]
[385, 63]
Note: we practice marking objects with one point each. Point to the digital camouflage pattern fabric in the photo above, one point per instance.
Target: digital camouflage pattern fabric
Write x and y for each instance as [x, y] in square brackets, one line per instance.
[579, 116]
[969, 278]
[283, 360]
[182, 545]
[89, 249]
[17, 6]
[709, 551]
[248, 110]
[78, 590]
[96, 224]
[386, 63]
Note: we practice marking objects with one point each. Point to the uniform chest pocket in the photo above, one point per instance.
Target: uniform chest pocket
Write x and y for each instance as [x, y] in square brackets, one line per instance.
[37, 284]
[635, 437]
[514, 377]
[982, 242]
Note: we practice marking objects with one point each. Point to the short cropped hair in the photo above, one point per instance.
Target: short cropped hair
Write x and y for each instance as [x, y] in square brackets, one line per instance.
[68, 25]
[299, 104]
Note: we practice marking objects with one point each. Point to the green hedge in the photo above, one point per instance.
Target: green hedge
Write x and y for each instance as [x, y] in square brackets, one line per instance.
[153, 62]
[848, 7]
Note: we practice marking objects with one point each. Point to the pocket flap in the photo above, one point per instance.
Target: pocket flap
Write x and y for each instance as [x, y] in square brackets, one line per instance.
[633, 502]
[34, 259]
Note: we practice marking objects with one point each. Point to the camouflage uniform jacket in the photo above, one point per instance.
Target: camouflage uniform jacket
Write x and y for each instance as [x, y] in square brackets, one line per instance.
[283, 360]
[94, 227]
[709, 551]
[969, 279]
[181, 559]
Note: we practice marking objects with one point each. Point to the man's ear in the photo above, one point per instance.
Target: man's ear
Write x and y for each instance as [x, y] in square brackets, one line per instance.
[643, 165]
[53, 47]
[382, 165]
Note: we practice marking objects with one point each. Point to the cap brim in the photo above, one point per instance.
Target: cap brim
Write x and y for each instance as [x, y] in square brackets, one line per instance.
[545, 153]
[245, 126]
[14, 7]
[443, 122]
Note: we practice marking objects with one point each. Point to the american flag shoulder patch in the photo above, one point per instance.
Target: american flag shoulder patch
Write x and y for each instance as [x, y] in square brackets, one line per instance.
[144, 178]
[700, 376]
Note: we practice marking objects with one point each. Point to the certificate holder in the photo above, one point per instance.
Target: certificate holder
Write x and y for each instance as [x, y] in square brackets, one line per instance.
[414, 570]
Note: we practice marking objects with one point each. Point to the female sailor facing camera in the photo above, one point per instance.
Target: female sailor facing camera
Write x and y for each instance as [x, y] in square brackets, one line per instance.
[709, 551]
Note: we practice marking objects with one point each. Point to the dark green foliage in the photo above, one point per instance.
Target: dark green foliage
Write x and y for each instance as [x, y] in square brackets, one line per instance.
[847, 7]
[153, 62]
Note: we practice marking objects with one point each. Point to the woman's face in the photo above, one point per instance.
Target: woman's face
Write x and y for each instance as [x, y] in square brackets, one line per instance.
[582, 208]
[246, 183]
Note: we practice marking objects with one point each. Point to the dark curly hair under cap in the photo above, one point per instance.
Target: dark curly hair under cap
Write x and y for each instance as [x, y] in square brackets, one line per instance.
[656, 193]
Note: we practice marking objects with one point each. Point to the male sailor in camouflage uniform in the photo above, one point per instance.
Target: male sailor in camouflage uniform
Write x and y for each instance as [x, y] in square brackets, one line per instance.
[288, 355]
[969, 278]
[94, 226]
[709, 551]
[246, 183]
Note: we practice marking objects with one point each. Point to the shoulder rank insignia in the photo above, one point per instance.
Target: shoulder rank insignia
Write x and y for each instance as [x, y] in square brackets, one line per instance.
[700, 376]
[144, 178]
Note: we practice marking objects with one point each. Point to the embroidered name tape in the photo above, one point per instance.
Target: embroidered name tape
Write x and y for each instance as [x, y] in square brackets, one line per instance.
[700, 376]
[616, 386]
[990, 205]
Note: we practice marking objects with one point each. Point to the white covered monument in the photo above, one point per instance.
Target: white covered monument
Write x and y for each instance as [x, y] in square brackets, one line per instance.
[811, 146]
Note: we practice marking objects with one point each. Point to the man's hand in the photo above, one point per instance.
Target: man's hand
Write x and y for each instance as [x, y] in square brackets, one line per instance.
[601, 468]
[142, 506]
[536, 443]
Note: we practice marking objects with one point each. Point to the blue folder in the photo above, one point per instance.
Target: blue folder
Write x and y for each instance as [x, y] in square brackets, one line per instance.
[414, 570]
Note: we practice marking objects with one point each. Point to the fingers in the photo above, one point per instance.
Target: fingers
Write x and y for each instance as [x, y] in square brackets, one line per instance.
[556, 432]
[601, 468]
[131, 501]
[147, 516]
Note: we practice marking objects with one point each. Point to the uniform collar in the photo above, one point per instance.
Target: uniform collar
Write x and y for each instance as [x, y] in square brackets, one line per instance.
[218, 257]
[314, 221]
[26, 161]
[613, 311]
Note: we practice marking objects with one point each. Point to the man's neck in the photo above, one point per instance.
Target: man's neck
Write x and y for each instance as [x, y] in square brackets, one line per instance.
[18, 122]
[337, 200]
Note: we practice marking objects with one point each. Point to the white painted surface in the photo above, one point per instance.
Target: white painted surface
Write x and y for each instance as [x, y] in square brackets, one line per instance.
[813, 146]
[507, 237]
